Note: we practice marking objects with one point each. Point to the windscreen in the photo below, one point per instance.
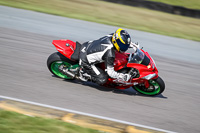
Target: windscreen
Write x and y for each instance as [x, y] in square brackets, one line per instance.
[139, 57]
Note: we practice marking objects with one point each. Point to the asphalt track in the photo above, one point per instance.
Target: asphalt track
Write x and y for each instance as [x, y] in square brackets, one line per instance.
[25, 44]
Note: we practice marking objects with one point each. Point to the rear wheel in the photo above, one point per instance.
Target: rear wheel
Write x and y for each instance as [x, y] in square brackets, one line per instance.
[156, 87]
[57, 59]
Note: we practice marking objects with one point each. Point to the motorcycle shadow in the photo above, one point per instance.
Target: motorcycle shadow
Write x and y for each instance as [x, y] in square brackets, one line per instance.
[130, 91]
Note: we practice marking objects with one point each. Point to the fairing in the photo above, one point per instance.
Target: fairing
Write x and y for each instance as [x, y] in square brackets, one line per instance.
[143, 70]
[143, 62]
[65, 47]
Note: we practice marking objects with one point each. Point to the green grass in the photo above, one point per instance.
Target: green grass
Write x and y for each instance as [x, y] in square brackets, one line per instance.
[117, 15]
[192, 4]
[11, 122]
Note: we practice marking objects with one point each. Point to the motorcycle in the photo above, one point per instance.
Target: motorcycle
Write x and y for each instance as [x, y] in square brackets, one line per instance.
[140, 65]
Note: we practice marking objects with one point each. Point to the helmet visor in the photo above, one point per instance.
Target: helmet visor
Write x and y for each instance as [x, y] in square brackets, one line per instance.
[123, 47]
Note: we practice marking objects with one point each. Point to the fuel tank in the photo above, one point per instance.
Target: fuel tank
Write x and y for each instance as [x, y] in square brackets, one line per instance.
[121, 60]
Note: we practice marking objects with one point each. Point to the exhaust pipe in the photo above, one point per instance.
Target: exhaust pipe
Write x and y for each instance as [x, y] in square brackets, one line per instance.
[68, 73]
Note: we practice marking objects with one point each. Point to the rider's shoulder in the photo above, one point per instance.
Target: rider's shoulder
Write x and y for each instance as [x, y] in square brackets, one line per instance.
[106, 39]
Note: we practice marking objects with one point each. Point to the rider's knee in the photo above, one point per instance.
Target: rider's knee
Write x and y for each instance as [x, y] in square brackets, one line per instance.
[102, 79]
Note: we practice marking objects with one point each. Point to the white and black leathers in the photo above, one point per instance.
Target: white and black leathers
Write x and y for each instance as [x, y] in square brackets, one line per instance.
[97, 51]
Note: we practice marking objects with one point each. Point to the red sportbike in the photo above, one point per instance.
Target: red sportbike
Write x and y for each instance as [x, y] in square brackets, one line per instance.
[140, 65]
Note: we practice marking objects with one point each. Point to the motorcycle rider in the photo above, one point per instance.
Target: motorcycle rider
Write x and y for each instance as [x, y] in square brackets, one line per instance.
[103, 50]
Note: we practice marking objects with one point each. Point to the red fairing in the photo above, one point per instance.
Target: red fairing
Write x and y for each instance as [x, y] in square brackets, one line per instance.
[144, 70]
[65, 47]
[151, 63]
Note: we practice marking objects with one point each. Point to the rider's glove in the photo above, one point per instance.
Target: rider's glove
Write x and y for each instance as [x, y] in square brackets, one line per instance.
[124, 77]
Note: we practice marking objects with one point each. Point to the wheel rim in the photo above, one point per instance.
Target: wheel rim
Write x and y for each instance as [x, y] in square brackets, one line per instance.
[55, 69]
[154, 88]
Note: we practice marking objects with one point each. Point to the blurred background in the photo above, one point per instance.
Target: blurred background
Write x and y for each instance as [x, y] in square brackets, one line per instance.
[169, 30]
[123, 13]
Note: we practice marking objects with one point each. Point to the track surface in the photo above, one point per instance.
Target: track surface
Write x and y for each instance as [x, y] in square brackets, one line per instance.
[25, 40]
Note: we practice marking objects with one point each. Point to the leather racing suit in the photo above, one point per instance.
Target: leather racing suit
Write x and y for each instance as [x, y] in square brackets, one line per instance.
[97, 51]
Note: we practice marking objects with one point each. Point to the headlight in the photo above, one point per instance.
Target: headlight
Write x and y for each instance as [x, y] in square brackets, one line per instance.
[150, 76]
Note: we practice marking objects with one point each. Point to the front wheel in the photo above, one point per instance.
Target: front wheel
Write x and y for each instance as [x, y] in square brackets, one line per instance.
[156, 87]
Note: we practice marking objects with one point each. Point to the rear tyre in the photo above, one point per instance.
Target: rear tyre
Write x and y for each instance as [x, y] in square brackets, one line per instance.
[55, 60]
[157, 86]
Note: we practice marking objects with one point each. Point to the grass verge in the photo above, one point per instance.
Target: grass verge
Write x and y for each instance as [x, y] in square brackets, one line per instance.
[117, 15]
[11, 122]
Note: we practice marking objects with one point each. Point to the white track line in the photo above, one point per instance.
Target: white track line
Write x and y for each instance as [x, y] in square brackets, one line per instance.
[87, 114]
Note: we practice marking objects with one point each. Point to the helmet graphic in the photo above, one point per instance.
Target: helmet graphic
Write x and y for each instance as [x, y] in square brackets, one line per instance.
[121, 40]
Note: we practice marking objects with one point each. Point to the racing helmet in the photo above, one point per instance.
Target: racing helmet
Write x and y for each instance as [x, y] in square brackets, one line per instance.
[121, 40]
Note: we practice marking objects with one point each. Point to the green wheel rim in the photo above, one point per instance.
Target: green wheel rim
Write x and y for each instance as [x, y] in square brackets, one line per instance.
[155, 91]
[55, 69]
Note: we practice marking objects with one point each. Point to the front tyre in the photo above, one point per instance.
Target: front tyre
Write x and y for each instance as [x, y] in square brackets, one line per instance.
[156, 87]
[55, 60]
